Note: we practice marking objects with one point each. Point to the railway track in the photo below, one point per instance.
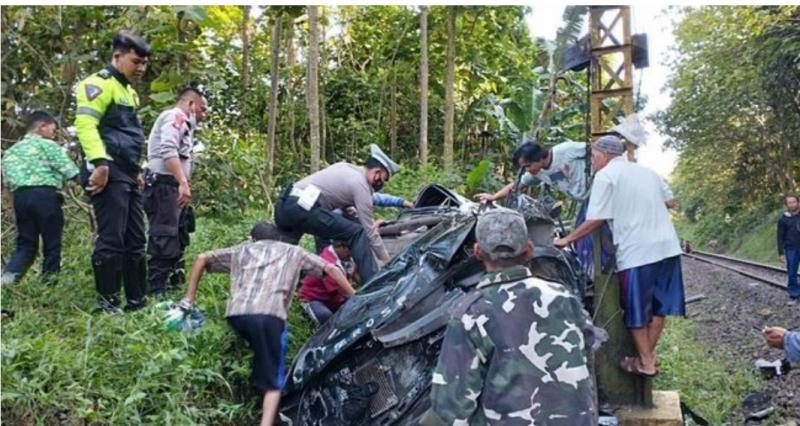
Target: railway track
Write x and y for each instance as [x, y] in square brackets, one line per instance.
[762, 272]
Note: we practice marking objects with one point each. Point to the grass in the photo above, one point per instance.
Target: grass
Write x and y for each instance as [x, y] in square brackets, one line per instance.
[62, 364]
[711, 381]
[758, 243]
[753, 238]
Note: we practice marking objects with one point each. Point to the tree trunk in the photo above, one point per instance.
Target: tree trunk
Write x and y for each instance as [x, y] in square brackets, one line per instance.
[273, 98]
[291, 60]
[393, 117]
[423, 85]
[181, 63]
[323, 130]
[449, 103]
[312, 86]
[243, 127]
[397, 44]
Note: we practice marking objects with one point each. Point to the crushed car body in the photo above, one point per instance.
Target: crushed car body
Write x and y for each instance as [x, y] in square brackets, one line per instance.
[371, 363]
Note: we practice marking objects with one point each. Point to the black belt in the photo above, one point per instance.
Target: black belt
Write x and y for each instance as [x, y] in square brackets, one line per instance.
[165, 180]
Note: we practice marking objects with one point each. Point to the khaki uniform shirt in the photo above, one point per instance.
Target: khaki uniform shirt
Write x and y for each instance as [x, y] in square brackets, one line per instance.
[343, 185]
[171, 137]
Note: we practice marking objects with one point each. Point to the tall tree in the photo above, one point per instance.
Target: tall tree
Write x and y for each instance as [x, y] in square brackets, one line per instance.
[291, 61]
[742, 121]
[181, 63]
[312, 86]
[273, 98]
[423, 85]
[246, 30]
[393, 116]
[449, 102]
[323, 130]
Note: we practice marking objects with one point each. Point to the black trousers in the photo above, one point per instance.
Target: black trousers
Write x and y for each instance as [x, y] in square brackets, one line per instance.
[323, 223]
[168, 232]
[268, 336]
[119, 256]
[38, 215]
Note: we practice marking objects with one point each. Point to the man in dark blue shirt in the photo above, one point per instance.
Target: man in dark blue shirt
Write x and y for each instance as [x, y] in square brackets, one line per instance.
[789, 243]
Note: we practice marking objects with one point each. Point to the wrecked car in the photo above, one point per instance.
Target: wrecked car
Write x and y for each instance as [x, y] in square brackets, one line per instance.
[371, 363]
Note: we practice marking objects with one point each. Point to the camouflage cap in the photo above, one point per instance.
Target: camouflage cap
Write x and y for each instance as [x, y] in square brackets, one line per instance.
[501, 233]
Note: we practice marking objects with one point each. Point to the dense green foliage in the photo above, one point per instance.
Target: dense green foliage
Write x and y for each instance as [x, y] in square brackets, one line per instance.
[758, 243]
[368, 76]
[734, 116]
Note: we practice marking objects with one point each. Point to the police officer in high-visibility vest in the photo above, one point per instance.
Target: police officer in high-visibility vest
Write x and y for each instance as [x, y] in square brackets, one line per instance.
[112, 140]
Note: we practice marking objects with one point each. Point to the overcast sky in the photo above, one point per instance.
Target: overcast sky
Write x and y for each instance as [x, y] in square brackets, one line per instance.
[657, 23]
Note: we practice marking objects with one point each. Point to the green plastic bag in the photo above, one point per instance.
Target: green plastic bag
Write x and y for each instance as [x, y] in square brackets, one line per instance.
[177, 319]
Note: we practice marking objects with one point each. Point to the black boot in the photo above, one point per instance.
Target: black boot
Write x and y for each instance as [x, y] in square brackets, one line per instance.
[178, 276]
[107, 277]
[134, 275]
[158, 271]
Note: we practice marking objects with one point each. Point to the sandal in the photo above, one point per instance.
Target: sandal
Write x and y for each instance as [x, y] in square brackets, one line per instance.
[658, 360]
[632, 365]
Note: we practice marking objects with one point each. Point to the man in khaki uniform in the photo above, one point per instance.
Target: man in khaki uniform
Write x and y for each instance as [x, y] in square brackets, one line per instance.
[306, 207]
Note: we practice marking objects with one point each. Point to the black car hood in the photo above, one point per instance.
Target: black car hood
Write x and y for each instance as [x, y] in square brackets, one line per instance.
[394, 306]
[411, 275]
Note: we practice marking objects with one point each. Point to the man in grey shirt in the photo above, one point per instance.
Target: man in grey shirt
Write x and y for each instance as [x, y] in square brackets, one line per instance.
[306, 207]
[168, 192]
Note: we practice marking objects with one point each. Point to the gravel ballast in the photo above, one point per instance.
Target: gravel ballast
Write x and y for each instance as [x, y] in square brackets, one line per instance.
[736, 306]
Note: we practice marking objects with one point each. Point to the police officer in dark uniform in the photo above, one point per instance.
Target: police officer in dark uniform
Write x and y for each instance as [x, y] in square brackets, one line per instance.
[168, 194]
[112, 140]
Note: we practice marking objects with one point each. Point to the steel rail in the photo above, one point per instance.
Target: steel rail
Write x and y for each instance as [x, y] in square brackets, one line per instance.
[713, 259]
[741, 261]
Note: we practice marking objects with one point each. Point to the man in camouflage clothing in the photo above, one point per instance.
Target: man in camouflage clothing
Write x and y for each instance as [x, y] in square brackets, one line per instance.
[515, 350]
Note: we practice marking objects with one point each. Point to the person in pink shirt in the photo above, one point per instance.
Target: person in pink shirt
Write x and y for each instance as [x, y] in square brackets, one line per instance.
[322, 296]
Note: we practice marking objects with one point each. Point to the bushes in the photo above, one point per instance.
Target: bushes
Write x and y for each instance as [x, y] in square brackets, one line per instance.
[732, 229]
[468, 180]
[227, 177]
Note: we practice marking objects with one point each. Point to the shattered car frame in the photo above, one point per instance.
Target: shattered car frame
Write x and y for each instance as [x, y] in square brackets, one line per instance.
[371, 363]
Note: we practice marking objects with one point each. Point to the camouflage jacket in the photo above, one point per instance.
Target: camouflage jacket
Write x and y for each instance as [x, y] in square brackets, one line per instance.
[515, 353]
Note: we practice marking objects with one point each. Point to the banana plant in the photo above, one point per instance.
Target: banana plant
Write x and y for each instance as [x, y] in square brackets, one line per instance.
[533, 112]
[573, 22]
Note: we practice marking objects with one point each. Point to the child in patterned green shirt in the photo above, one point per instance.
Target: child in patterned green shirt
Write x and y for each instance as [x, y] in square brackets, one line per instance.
[35, 168]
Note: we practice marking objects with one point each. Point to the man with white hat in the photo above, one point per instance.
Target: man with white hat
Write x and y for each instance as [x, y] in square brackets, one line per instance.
[306, 207]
